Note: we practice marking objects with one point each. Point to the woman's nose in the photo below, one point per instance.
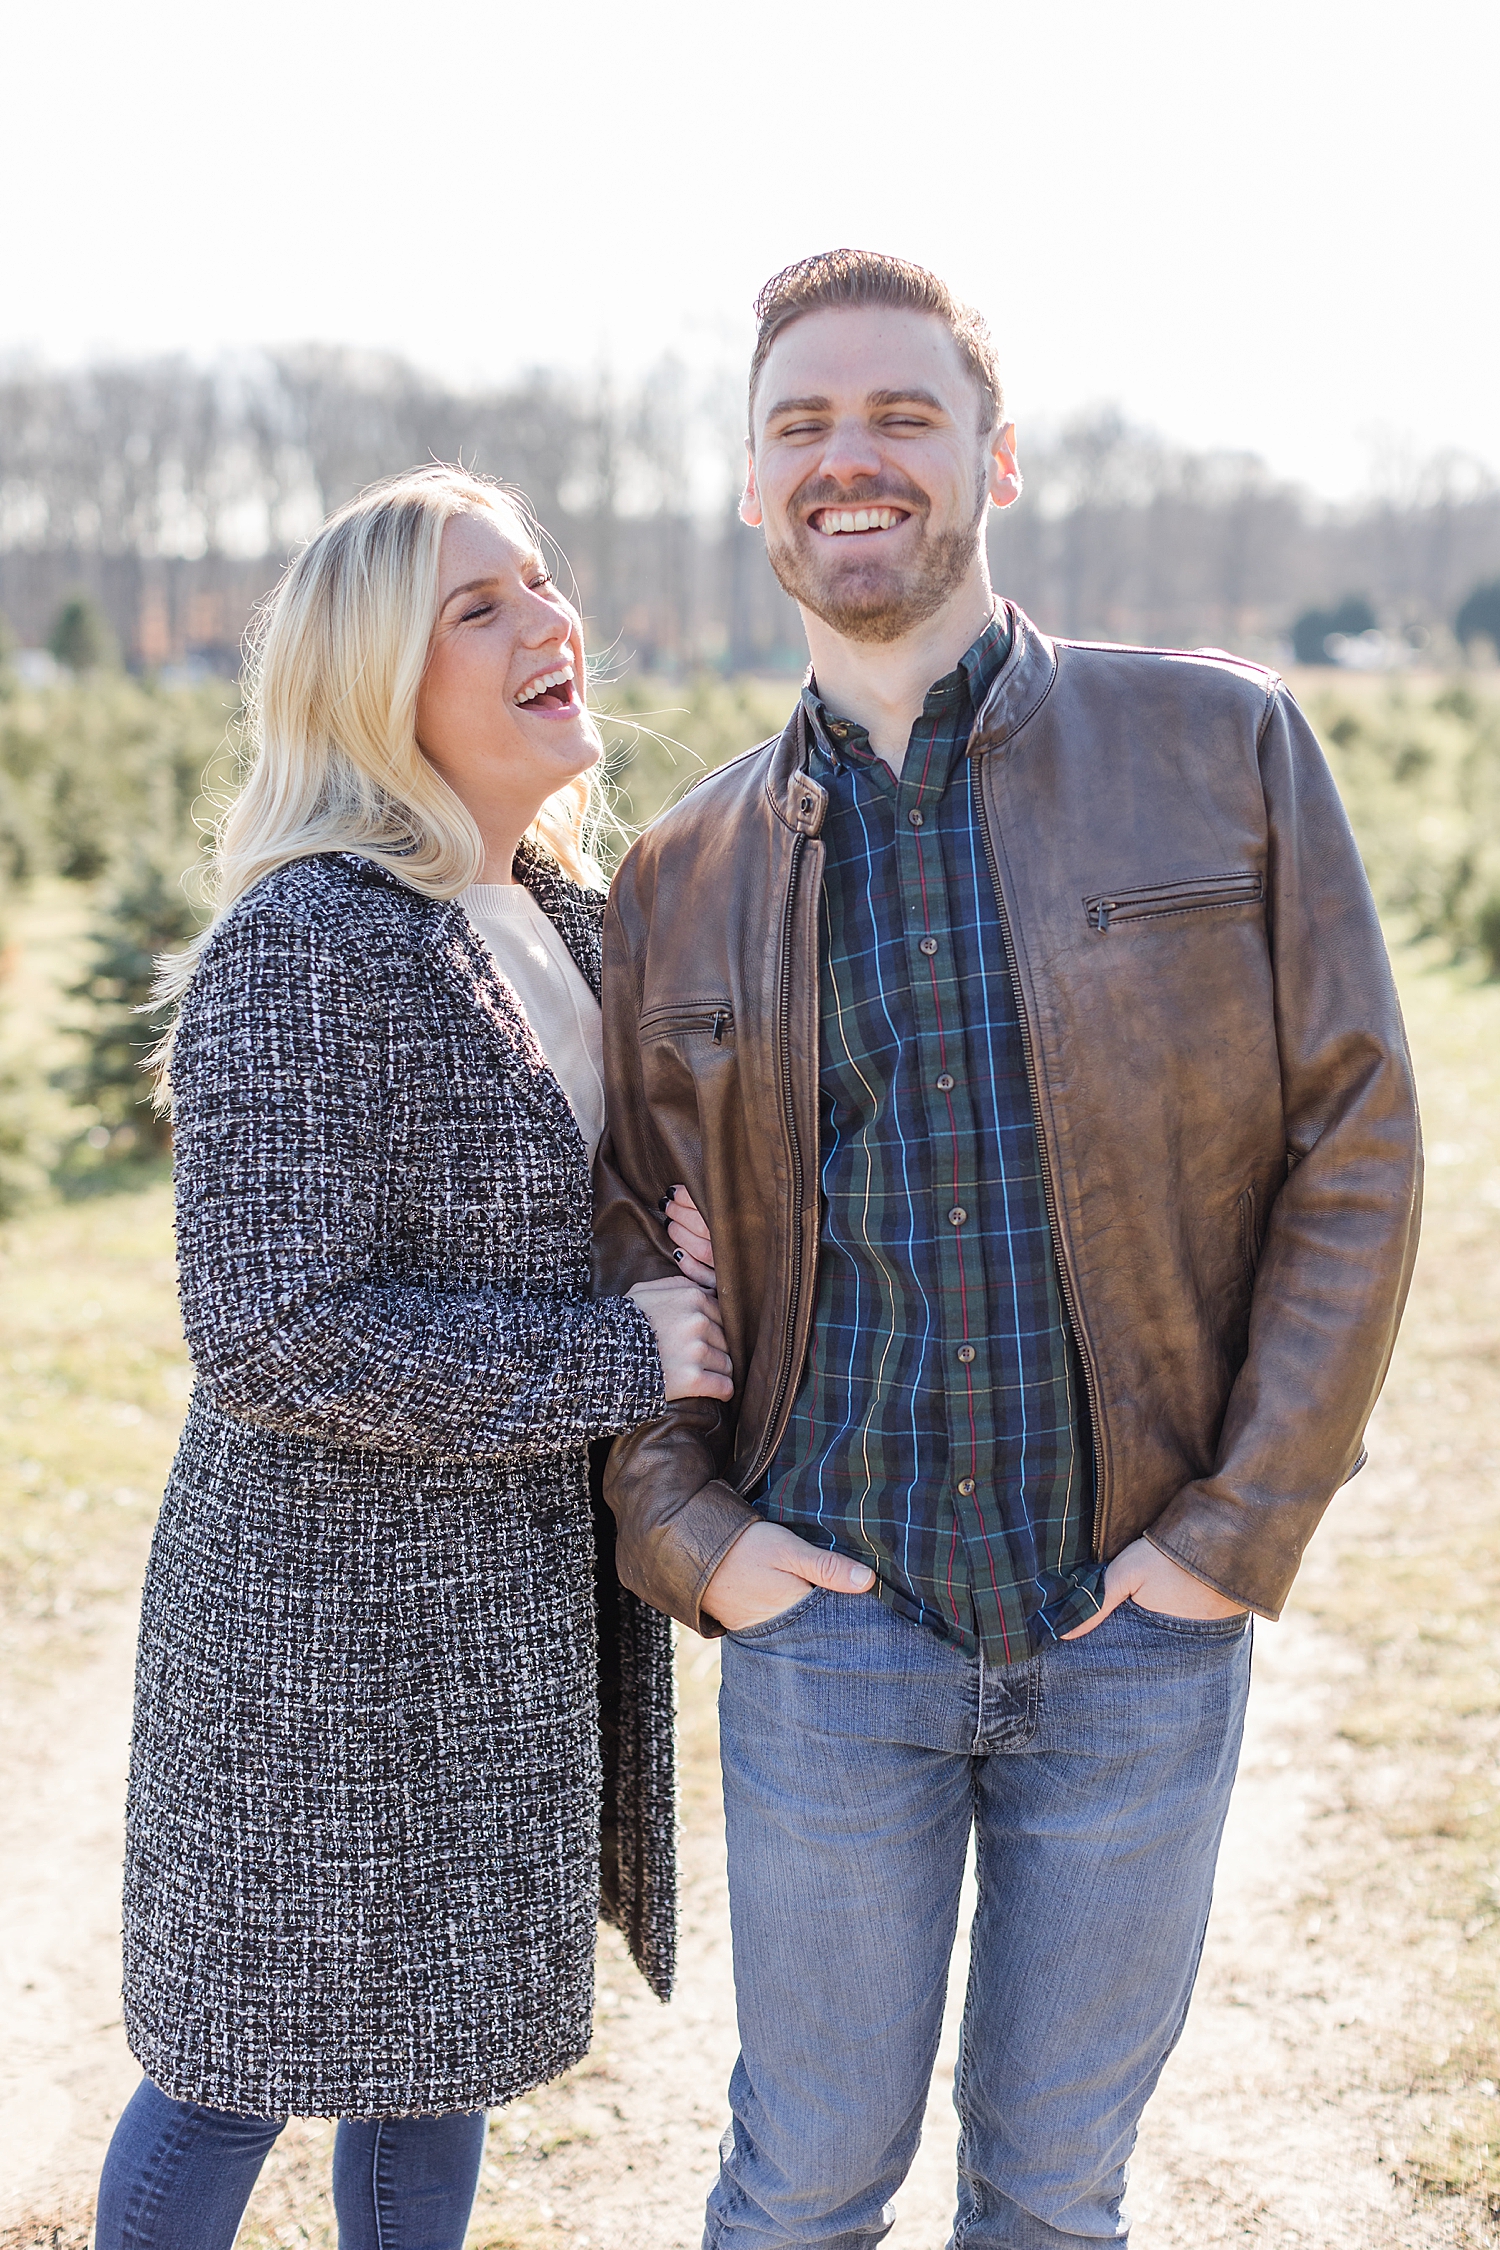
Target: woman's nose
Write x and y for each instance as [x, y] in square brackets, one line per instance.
[547, 621]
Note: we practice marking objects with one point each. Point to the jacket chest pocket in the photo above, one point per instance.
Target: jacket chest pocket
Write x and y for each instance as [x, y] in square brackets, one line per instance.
[1190, 894]
[712, 1020]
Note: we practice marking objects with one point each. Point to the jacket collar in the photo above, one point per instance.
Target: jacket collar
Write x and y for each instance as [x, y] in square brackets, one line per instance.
[1019, 689]
[798, 801]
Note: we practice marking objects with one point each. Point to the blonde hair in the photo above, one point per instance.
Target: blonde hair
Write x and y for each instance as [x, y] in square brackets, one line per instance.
[335, 661]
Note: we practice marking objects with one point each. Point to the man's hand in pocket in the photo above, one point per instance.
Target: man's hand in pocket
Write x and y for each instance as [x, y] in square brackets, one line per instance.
[768, 1568]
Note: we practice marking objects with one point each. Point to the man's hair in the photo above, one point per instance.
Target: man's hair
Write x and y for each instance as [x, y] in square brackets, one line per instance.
[868, 277]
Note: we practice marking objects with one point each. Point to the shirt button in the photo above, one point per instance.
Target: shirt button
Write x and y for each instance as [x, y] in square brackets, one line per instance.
[957, 1215]
[916, 819]
[966, 1353]
[966, 1486]
[945, 1082]
[927, 945]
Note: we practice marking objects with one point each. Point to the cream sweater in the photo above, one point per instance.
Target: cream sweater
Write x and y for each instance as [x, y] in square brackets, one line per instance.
[558, 1005]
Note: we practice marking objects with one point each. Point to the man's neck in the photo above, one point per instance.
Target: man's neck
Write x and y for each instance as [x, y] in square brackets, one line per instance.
[882, 685]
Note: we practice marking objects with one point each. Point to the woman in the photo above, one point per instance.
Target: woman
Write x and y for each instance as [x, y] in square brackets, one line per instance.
[365, 1802]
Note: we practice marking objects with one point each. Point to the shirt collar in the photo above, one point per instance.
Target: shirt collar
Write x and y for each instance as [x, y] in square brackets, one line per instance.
[958, 693]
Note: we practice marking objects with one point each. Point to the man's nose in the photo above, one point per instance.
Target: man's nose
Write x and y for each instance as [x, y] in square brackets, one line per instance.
[850, 452]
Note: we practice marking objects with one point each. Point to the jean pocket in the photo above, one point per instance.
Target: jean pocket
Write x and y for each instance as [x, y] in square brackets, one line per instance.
[1188, 1628]
[792, 1614]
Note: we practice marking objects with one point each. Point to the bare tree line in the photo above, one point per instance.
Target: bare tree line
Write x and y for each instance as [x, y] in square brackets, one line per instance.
[173, 492]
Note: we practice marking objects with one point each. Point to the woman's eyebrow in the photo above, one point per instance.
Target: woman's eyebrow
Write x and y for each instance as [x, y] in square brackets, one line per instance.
[470, 586]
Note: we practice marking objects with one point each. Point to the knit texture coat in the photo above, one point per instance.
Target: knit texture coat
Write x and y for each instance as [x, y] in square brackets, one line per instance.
[370, 1754]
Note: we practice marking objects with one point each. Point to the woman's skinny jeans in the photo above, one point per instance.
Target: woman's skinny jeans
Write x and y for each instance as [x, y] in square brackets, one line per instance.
[178, 2177]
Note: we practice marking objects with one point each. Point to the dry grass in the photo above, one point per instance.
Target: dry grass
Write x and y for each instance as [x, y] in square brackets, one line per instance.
[1417, 1599]
[93, 1379]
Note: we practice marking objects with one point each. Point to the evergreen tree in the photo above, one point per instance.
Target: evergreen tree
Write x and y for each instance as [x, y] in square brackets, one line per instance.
[1480, 614]
[144, 914]
[1315, 627]
[82, 637]
[20, 1173]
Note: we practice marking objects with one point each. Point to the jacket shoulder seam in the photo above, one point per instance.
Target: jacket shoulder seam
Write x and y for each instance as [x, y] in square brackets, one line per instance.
[755, 751]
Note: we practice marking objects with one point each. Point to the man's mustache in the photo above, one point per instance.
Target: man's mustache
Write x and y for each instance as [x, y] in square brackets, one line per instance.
[822, 492]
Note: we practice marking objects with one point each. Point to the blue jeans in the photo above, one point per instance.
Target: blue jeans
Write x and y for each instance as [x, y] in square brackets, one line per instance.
[859, 1750]
[178, 2177]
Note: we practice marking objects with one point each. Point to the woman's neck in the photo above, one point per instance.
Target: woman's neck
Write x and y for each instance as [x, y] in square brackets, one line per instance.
[501, 828]
[499, 863]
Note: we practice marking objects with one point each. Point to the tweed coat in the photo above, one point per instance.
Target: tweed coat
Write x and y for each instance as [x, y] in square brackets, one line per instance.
[364, 1819]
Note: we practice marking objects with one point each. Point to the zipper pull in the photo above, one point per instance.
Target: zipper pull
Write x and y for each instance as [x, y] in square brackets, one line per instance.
[1100, 912]
[721, 1018]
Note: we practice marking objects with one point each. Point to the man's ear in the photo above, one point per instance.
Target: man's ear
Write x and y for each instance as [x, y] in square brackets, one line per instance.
[750, 497]
[1004, 473]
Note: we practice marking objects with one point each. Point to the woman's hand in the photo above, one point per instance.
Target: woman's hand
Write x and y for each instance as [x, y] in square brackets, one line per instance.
[685, 1321]
[688, 1230]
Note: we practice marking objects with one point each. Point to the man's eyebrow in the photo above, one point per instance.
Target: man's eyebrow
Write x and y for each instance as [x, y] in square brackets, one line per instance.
[913, 396]
[907, 398]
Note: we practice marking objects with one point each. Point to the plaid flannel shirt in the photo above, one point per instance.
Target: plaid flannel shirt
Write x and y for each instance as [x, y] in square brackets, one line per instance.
[940, 1429]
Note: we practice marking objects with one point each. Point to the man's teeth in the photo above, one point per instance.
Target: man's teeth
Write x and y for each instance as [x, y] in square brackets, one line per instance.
[546, 680]
[859, 519]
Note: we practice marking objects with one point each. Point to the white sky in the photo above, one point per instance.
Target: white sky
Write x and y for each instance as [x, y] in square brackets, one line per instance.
[1267, 226]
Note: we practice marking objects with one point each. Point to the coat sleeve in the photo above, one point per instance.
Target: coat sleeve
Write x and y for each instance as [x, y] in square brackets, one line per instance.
[286, 1076]
[1341, 1237]
[677, 1517]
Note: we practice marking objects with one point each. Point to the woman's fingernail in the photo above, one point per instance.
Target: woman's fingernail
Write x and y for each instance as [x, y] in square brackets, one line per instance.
[677, 1254]
[662, 1201]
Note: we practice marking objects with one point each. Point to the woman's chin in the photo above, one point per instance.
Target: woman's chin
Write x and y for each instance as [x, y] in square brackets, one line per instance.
[586, 740]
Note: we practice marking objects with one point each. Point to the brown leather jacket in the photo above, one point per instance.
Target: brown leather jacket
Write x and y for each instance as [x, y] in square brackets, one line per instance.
[1222, 1088]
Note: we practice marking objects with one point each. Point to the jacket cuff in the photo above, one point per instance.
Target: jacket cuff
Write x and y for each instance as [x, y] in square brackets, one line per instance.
[622, 1366]
[1215, 1570]
[667, 1552]
[718, 1518]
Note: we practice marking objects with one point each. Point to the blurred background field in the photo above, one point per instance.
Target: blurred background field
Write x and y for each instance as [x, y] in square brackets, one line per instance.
[109, 784]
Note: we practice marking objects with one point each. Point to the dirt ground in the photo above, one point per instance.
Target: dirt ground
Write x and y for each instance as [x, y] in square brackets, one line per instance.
[1335, 2088]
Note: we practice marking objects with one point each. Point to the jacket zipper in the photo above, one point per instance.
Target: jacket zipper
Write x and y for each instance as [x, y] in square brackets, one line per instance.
[1190, 897]
[715, 1021]
[772, 1437]
[1049, 1185]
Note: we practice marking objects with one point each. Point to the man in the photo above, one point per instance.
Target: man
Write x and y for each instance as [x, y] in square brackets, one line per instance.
[1020, 1023]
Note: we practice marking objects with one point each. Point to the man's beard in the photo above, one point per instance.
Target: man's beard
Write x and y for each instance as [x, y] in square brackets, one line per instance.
[876, 601]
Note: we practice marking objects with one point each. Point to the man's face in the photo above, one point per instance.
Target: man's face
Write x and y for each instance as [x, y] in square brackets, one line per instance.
[869, 469]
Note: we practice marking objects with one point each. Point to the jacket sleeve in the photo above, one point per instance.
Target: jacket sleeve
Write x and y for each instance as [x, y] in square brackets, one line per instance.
[286, 1075]
[676, 1516]
[1341, 1236]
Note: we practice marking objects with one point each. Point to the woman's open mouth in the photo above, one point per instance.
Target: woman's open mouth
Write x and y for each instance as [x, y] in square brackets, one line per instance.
[551, 692]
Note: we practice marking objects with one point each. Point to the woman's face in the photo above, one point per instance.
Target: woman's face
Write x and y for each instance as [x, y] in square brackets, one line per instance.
[500, 711]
